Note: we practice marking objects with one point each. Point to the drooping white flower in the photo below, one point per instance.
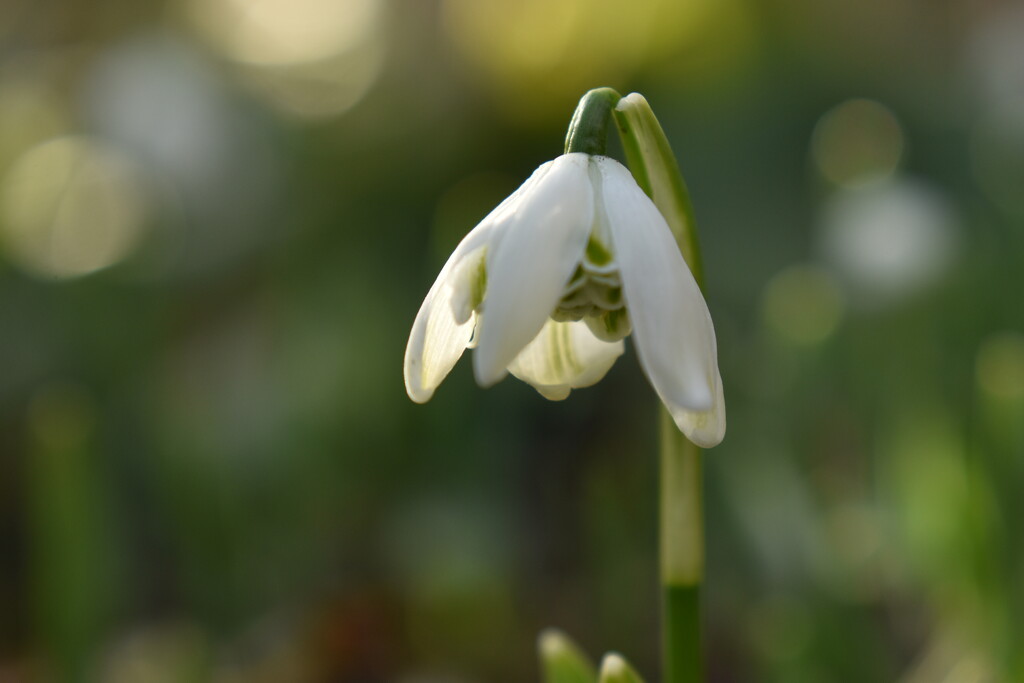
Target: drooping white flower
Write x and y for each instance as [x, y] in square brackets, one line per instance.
[550, 282]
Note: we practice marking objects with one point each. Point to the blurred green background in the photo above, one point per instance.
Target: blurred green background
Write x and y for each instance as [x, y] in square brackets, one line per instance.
[219, 217]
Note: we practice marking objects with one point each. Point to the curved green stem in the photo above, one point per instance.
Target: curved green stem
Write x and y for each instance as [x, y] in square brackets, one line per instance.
[588, 130]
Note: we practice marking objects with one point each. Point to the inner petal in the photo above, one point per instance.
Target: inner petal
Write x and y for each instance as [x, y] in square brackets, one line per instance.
[564, 356]
[595, 286]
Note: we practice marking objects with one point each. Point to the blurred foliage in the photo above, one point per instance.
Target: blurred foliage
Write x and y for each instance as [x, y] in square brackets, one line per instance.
[218, 218]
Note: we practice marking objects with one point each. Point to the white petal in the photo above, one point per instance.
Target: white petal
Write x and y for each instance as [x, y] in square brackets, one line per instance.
[564, 356]
[704, 428]
[531, 263]
[437, 340]
[467, 281]
[674, 335]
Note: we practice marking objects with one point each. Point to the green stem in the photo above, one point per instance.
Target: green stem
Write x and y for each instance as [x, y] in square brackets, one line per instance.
[588, 130]
[656, 171]
[682, 554]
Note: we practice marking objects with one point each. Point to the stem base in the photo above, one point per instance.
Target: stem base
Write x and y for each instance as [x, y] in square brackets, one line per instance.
[682, 634]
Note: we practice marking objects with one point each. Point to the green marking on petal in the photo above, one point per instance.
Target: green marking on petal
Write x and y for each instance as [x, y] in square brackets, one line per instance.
[604, 296]
[569, 351]
[478, 282]
[555, 351]
[578, 299]
[571, 314]
[579, 277]
[597, 253]
[610, 326]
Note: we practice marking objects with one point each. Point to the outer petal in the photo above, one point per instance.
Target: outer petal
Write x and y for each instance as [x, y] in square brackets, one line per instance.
[437, 341]
[674, 335]
[706, 429]
[531, 263]
[564, 356]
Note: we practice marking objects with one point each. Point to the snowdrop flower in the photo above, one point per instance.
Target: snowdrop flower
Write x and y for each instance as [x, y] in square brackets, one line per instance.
[550, 282]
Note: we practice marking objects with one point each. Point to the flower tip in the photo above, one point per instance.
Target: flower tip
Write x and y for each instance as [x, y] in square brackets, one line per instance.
[414, 381]
[420, 397]
[554, 393]
[614, 665]
[633, 99]
[615, 669]
[486, 373]
[417, 394]
[707, 441]
[551, 642]
[705, 429]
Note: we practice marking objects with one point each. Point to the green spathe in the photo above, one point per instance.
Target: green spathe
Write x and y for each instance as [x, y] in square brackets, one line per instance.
[656, 171]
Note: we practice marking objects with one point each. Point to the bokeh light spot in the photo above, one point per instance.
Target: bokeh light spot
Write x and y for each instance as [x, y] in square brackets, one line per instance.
[803, 305]
[318, 90]
[994, 55]
[890, 239]
[279, 32]
[29, 113]
[157, 97]
[857, 141]
[71, 206]
[1000, 366]
[537, 57]
[308, 58]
